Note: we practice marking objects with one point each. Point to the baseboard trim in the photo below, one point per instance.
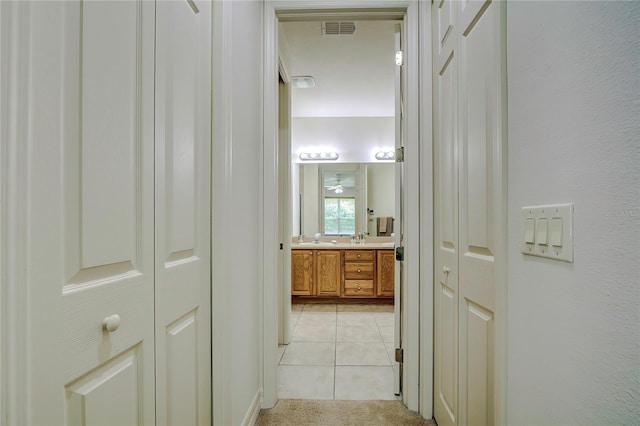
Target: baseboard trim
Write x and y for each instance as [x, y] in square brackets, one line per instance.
[254, 410]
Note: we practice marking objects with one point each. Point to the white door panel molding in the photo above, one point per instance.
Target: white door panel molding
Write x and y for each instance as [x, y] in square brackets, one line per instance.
[470, 207]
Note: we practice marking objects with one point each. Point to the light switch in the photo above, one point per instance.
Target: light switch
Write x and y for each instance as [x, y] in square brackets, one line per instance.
[542, 231]
[529, 230]
[548, 231]
[555, 232]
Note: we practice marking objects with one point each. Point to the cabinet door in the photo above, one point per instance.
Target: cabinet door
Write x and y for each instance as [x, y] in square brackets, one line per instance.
[328, 272]
[385, 273]
[302, 272]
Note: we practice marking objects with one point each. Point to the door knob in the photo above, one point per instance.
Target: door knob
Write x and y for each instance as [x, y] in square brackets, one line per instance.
[111, 323]
[445, 270]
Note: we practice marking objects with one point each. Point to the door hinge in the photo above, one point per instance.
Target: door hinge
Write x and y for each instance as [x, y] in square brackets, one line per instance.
[400, 254]
[281, 246]
[400, 155]
[399, 355]
[399, 58]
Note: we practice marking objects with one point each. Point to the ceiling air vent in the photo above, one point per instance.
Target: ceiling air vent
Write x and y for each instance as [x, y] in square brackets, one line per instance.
[338, 27]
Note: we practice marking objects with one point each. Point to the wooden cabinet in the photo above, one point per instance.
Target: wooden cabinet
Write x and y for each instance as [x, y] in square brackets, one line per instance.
[359, 273]
[302, 271]
[385, 276]
[347, 273]
[316, 272]
[328, 272]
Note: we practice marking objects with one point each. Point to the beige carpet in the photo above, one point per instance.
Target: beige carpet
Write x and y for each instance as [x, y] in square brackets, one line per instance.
[332, 413]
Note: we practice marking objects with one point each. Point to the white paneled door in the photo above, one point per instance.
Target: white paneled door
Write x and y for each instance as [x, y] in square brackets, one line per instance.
[469, 205]
[95, 202]
[446, 249]
[182, 206]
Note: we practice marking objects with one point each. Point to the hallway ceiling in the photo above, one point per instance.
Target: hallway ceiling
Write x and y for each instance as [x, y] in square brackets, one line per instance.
[354, 74]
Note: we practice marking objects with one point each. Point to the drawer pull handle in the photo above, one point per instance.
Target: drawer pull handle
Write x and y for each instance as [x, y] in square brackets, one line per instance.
[359, 288]
[358, 255]
[311, 253]
[358, 270]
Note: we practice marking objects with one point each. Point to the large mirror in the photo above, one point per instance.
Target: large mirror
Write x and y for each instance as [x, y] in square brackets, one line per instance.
[345, 198]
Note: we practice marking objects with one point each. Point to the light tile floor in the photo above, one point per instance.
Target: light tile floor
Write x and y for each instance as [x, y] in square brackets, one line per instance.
[338, 352]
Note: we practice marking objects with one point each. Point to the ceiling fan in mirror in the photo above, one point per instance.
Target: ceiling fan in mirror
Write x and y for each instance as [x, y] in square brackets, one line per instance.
[337, 188]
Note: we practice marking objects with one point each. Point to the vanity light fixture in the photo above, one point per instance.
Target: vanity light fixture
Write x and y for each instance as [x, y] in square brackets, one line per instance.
[385, 155]
[318, 156]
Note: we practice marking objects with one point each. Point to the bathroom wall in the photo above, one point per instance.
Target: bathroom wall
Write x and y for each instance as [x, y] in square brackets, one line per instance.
[355, 139]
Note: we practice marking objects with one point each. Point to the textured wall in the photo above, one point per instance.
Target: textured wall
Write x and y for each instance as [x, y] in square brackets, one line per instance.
[574, 329]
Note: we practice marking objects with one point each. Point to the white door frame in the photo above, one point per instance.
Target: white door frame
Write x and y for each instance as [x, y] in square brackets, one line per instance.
[419, 268]
[14, 35]
[285, 202]
[221, 162]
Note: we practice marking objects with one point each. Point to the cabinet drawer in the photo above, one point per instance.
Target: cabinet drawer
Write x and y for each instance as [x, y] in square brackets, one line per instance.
[357, 255]
[358, 270]
[358, 287]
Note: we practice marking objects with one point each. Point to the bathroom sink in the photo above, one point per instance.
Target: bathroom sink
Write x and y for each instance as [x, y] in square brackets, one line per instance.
[321, 243]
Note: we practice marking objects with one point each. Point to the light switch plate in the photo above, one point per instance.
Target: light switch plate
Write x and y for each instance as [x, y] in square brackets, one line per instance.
[559, 218]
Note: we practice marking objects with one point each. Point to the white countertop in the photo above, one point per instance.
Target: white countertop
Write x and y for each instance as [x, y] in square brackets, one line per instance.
[342, 246]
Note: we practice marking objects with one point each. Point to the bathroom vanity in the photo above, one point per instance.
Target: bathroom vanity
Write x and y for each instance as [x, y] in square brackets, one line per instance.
[343, 271]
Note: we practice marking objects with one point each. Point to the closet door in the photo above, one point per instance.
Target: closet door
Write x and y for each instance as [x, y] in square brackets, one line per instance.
[470, 193]
[446, 249]
[183, 156]
[89, 212]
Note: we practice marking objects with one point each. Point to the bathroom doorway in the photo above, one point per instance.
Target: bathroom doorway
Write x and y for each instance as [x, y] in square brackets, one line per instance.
[345, 345]
[417, 356]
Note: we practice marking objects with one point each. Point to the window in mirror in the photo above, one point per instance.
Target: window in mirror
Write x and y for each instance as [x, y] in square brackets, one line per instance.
[339, 215]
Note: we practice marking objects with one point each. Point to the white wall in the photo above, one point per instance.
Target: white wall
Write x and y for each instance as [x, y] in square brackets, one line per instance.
[355, 139]
[236, 200]
[380, 192]
[244, 259]
[574, 328]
